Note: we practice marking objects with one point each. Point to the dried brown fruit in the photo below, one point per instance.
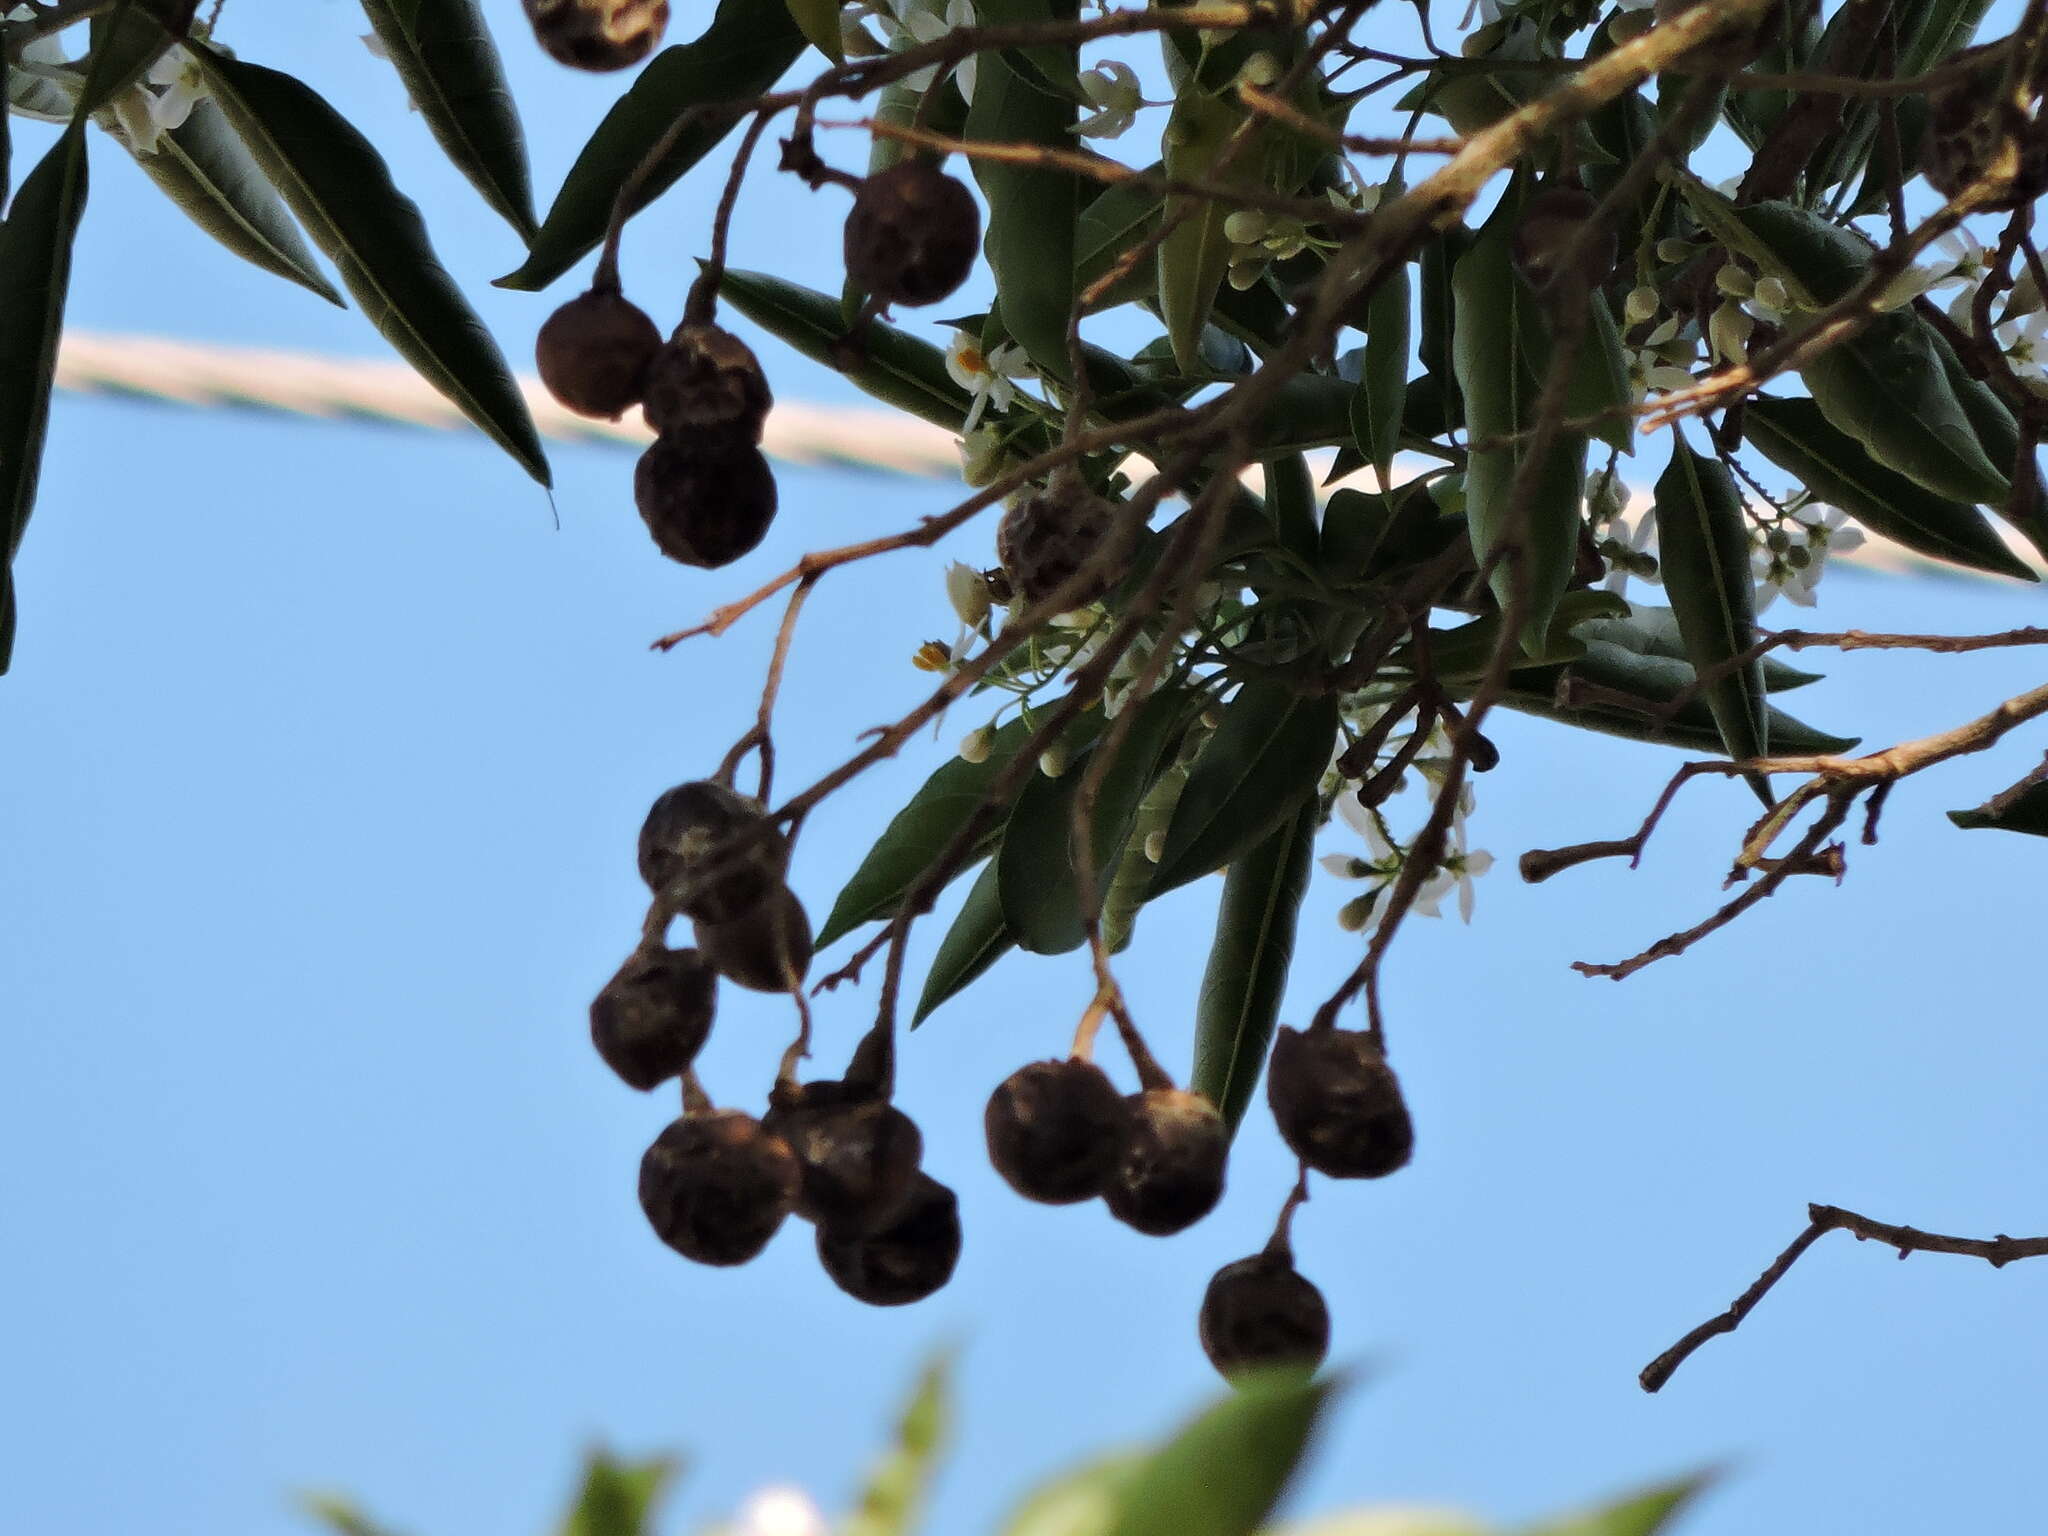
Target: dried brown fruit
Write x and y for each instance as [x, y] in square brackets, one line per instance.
[704, 379]
[1054, 1130]
[859, 1153]
[716, 1185]
[1048, 535]
[652, 1018]
[593, 353]
[766, 949]
[1261, 1311]
[1977, 134]
[1547, 238]
[912, 234]
[908, 1259]
[1338, 1104]
[707, 500]
[713, 850]
[598, 34]
[1169, 1168]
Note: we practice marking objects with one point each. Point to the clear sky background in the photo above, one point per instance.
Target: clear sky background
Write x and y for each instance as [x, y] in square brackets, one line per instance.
[324, 755]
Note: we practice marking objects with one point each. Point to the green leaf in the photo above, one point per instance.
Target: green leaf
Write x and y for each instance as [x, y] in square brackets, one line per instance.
[896, 368]
[1131, 885]
[1264, 759]
[1826, 259]
[741, 54]
[1600, 391]
[1291, 501]
[898, 1484]
[1195, 255]
[818, 20]
[1382, 397]
[1500, 381]
[2028, 813]
[1223, 1473]
[1637, 1514]
[1652, 631]
[976, 941]
[618, 1497]
[127, 41]
[1885, 387]
[1463, 654]
[342, 1515]
[1439, 318]
[1390, 1521]
[1080, 1503]
[1703, 553]
[1796, 436]
[442, 50]
[1035, 869]
[35, 253]
[1121, 215]
[1719, 216]
[1999, 433]
[1248, 959]
[339, 187]
[204, 168]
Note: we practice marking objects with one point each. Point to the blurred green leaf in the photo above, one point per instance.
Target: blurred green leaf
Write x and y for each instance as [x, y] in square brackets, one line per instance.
[899, 1484]
[1653, 631]
[896, 368]
[741, 54]
[818, 20]
[618, 1497]
[35, 253]
[1439, 319]
[976, 941]
[1797, 436]
[2028, 813]
[1223, 1473]
[1703, 553]
[1080, 1503]
[1291, 501]
[1393, 1520]
[442, 50]
[1600, 391]
[340, 189]
[1636, 1514]
[342, 1515]
[1195, 255]
[1382, 397]
[1246, 976]
[1258, 767]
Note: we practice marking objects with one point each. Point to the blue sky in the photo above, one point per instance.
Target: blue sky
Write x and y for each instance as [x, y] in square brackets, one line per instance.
[325, 754]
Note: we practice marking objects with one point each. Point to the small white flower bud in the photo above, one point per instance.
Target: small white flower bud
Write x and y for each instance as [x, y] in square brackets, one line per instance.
[1643, 301]
[1734, 282]
[1260, 69]
[1053, 761]
[1247, 226]
[976, 745]
[1673, 249]
[1356, 914]
[967, 592]
[1729, 332]
[1155, 846]
[1772, 294]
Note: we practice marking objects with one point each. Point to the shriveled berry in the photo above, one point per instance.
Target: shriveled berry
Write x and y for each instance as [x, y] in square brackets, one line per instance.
[1547, 238]
[1047, 535]
[1971, 126]
[1338, 1104]
[1054, 1130]
[912, 234]
[859, 1153]
[1169, 1169]
[905, 1261]
[1261, 1311]
[593, 353]
[707, 500]
[652, 1018]
[766, 949]
[598, 34]
[712, 849]
[704, 379]
[716, 1185]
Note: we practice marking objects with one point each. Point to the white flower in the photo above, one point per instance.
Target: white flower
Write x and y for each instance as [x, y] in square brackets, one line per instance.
[1772, 300]
[1627, 558]
[1648, 372]
[177, 71]
[780, 1511]
[43, 50]
[967, 592]
[910, 23]
[1906, 287]
[1112, 90]
[376, 46]
[1796, 569]
[2025, 348]
[1642, 302]
[1967, 265]
[982, 458]
[1728, 332]
[1367, 825]
[990, 377]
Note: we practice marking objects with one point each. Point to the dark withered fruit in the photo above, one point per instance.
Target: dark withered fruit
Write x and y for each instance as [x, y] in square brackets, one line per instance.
[1547, 238]
[598, 34]
[1168, 1173]
[905, 1261]
[707, 500]
[858, 1152]
[1338, 1104]
[716, 1185]
[1054, 1130]
[593, 353]
[704, 379]
[1048, 535]
[766, 949]
[714, 849]
[652, 1018]
[1261, 1311]
[1977, 134]
[912, 234]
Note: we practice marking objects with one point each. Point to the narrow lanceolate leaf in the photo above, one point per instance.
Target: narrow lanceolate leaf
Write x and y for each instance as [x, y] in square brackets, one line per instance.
[1703, 553]
[1078, 1503]
[1254, 773]
[895, 367]
[35, 256]
[1652, 631]
[442, 50]
[1382, 396]
[1501, 384]
[744, 51]
[1194, 257]
[1131, 886]
[1036, 871]
[976, 941]
[126, 41]
[618, 1498]
[1291, 503]
[1885, 387]
[2027, 812]
[1248, 960]
[1797, 437]
[818, 20]
[1637, 1514]
[203, 167]
[1222, 1474]
[893, 1499]
[342, 192]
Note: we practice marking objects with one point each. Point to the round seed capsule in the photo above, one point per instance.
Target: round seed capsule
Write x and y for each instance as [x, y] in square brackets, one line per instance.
[1169, 1169]
[716, 1186]
[908, 1259]
[652, 1018]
